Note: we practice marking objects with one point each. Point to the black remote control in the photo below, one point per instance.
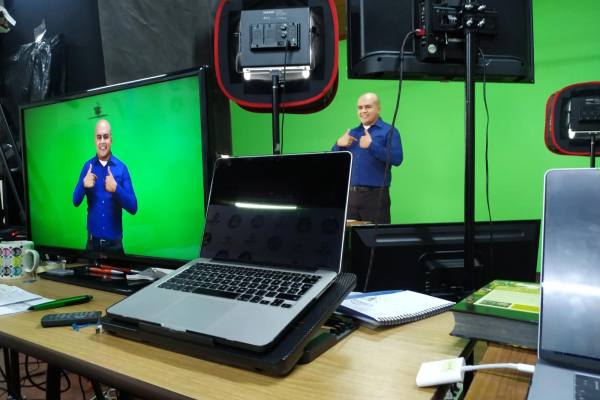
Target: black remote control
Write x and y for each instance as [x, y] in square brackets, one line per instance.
[67, 319]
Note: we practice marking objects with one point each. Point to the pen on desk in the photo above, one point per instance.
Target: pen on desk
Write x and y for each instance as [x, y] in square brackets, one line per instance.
[106, 271]
[107, 277]
[114, 267]
[71, 301]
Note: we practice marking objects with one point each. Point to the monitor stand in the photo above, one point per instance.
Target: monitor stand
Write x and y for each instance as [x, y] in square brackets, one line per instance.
[82, 276]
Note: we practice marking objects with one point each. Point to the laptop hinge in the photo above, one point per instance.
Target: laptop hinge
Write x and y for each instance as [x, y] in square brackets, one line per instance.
[259, 264]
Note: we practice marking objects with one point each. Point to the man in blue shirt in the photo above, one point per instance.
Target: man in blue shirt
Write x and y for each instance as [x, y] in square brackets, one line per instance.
[106, 183]
[368, 144]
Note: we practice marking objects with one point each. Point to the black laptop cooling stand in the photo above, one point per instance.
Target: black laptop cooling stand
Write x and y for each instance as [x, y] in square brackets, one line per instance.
[302, 344]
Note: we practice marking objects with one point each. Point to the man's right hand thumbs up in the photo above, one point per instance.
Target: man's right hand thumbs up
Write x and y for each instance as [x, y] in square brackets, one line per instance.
[346, 140]
[90, 179]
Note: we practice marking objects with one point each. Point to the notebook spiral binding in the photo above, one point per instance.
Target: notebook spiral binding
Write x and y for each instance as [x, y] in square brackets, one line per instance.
[403, 319]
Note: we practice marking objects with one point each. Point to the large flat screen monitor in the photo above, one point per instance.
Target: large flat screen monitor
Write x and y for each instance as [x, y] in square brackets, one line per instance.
[429, 258]
[376, 30]
[159, 168]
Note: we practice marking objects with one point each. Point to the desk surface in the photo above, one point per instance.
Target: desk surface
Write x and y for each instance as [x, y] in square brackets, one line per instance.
[368, 364]
[502, 384]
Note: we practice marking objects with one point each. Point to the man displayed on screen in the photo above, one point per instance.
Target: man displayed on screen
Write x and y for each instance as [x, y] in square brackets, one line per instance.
[106, 183]
[368, 144]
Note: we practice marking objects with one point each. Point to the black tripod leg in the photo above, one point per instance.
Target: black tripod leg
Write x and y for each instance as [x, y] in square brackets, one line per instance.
[15, 376]
[97, 390]
[53, 382]
[123, 395]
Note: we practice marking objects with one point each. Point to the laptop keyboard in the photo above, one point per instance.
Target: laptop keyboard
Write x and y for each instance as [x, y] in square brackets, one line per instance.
[587, 387]
[254, 285]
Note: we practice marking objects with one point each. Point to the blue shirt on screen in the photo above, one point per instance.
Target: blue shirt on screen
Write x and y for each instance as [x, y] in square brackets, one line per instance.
[368, 165]
[105, 215]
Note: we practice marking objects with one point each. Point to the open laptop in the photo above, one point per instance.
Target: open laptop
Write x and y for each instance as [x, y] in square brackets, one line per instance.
[272, 244]
[569, 329]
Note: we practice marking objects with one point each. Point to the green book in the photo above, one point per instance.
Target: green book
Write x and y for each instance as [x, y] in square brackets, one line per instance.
[504, 312]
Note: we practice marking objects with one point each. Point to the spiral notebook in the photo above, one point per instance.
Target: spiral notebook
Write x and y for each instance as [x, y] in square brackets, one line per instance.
[392, 307]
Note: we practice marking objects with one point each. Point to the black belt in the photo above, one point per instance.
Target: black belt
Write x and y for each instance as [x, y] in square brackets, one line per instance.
[104, 242]
[362, 188]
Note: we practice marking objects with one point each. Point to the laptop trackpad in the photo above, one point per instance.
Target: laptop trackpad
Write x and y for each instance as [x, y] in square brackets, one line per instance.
[197, 315]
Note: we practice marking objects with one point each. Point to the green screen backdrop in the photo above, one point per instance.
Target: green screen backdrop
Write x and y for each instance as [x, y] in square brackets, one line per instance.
[429, 185]
[156, 132]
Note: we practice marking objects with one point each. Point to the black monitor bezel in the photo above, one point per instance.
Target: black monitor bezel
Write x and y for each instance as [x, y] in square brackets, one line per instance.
[454, 231]
[388, 61]
[203, 74]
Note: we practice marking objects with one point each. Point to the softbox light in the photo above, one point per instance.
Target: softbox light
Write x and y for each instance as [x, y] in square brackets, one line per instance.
[255, 38]
[573, 120]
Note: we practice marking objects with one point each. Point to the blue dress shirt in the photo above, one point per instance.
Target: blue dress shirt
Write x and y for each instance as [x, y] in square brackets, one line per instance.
[105, 215]
[368, 165]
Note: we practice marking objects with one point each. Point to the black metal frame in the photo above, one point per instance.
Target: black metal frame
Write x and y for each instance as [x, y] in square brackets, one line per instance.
[9, 172]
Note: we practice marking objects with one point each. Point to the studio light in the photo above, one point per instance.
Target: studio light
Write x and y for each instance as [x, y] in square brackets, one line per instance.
[273, 55]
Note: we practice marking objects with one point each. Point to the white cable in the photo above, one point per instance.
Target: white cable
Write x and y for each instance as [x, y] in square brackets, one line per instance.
[519, 367]
[442, 372]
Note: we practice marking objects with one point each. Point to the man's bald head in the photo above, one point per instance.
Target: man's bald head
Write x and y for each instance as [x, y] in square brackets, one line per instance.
[368, 108]
[371, 97]
[102, 125]
[103, 139]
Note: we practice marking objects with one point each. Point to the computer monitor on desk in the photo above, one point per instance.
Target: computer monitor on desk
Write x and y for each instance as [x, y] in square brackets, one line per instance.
[429, 258]
[161, 153]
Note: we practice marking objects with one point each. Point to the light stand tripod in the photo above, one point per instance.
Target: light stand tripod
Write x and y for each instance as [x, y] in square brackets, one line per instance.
[473, 22]
[275, 92]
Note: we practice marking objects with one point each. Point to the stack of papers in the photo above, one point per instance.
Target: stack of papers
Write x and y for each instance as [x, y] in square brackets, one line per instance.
[149, 274]
[15, 300]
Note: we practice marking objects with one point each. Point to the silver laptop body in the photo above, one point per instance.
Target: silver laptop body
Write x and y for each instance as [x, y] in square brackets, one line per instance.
[272, 244]
[569, 329]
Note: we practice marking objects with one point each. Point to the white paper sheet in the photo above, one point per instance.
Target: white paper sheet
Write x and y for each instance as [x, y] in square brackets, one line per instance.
[13, 294]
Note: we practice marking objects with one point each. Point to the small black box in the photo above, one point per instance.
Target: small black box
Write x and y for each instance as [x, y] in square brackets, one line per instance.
[264, 34]
[585, 114]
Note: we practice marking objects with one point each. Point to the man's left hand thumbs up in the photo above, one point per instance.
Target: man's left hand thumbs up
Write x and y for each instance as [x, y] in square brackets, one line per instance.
[109, 183]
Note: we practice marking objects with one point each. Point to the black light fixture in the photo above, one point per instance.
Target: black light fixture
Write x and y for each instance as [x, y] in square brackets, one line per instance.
[265, 47]
[573, 121]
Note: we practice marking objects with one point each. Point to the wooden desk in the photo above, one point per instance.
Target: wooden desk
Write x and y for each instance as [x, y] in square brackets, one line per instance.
[368, 364]
[502, 384]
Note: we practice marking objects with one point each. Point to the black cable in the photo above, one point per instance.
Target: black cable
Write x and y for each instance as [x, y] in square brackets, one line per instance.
[67, 379]
[38, 386]
[287, 45]
[487, 174]
[29, 377]
[387, 161]
[81, 387]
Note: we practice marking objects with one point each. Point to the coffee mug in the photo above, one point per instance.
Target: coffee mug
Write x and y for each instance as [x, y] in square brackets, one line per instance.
[19, 259]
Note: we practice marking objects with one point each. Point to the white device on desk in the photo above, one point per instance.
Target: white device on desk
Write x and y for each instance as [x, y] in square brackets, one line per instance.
[569, 328]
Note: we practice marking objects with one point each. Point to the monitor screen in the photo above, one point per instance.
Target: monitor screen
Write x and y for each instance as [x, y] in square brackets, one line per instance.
[279, 210]
[150, 194]
[570, 313]
[376, 30]
[429, 258]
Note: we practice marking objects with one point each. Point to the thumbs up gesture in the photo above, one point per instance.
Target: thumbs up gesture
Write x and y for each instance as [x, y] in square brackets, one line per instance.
[109, 183]
[89, 181]
[346, 140]
[365, 140]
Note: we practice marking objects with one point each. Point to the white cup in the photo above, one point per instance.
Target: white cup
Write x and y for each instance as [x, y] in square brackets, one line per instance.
[19, 259]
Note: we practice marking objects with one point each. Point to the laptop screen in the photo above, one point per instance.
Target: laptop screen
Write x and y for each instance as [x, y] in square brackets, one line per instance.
[281, 210]
[570, 314]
